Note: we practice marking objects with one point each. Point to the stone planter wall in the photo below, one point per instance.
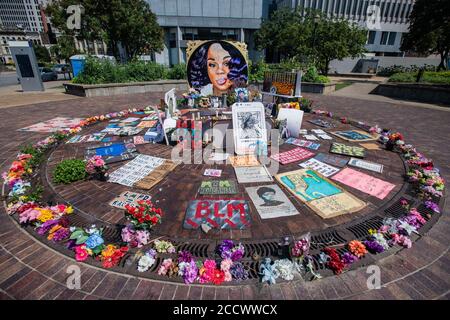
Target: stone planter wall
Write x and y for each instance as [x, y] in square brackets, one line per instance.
[111, 89]
[428, 93]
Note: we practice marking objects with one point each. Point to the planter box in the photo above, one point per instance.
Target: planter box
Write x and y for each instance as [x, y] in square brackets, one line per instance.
[321, 88]
[428, 93]
[111, 89]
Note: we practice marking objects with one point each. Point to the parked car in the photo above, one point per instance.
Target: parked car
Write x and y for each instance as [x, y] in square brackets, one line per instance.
[61, 68]
[48, 74]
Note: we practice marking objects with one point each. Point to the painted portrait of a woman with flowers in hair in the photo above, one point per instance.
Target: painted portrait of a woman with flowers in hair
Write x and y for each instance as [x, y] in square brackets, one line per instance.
[215, 67]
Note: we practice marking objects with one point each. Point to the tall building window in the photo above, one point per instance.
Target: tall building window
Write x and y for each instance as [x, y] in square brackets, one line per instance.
[392, 36]
[371, 37]
[384, 37]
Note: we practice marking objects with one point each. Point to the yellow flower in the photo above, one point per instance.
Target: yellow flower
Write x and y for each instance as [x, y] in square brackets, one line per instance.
[30, 170]
[23, 198]
[45, 215]
[89, 251]
[109, 250]
[69, 210]
[52, 231]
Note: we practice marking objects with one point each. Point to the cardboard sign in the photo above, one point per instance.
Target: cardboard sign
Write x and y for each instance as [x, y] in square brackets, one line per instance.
[244, 161]
[218, 214]
[249, 127]
[354, 135]
[128, 198]
[293, 155]
[320, 194]
[252, 174]
[218, 187]
[271, 202]
[365, 183]
[155, 176]
[346, 150]
[324, 169]
[370, 146]
[371, 166]
[332, 160]
[135, 170]
[303, 143]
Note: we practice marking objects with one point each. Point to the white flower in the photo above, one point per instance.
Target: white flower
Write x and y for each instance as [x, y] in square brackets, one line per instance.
[285, 268]
[145, 262]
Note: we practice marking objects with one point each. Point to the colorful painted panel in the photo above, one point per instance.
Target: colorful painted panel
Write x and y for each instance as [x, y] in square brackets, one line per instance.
[346, 150]
[293, 155]
[320, 194]
[354, 135]
[218, 214]
[218, 187]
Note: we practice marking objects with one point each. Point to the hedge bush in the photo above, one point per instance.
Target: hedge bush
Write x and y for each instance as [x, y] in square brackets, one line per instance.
[68, 171]
[428, 77]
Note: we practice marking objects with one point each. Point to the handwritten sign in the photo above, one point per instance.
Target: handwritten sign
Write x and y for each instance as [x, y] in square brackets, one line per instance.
[293, 155]
[128, 198]
[319, 166]
[365, 183]
[252, 174]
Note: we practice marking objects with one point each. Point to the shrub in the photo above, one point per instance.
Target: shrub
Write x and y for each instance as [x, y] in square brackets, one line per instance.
[177, 72]
[428, 77]
[257, 70]
[68, 171]
[389, 71]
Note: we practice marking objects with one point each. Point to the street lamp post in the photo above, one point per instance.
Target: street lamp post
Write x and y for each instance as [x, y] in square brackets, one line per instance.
[316, 22]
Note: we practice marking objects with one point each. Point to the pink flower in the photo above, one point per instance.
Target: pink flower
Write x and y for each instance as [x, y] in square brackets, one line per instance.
[228, 277]
[209, 264]
[29, 215]
[225, 265]
[81, 253]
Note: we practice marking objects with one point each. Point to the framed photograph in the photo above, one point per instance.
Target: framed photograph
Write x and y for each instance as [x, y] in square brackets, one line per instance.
[249, 127]
[271, 202]
[294, 120]
[241, 94]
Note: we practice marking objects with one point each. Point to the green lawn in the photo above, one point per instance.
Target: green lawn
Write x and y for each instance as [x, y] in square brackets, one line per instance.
[342, 85]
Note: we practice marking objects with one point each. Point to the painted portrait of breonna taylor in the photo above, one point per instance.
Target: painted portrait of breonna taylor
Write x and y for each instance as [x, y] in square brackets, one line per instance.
[214, 67]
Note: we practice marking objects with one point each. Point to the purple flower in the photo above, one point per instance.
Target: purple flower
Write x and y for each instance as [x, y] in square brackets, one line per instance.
[373, 246]
[190, 272]
[46, 226]
[61, 234]
[224, 249]
[185, 256]
[432, 206]
[237, 255]
[238, 271]
[71, 244]
[349, 258]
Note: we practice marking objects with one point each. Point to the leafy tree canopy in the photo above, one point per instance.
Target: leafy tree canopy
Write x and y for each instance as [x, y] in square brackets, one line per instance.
[429, 30]
[128, 23]
[312, 36]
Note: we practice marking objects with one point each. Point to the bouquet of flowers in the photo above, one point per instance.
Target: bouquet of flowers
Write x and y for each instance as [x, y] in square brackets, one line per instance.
[394, 139]
[301, 248]
[111, 255]
[228, 250]
[357, 248]
[135, 238]
[147, 260]
[96, 166]
[163, 246]
[333, 260]
[144, 216]
[86, 242]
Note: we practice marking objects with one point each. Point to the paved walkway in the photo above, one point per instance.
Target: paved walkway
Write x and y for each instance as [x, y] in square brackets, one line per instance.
[30, 270]
[13, 96]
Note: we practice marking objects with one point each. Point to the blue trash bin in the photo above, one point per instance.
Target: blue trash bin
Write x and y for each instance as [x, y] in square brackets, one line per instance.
[77, 62]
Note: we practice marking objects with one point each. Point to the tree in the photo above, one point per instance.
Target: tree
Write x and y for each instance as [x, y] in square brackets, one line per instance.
[429, 29]
[64, 49]
[127, 23]
[313, 37]
[42, 54]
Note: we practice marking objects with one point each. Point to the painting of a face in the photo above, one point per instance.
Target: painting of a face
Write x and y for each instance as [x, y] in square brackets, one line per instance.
[218, 67]
[215, 67]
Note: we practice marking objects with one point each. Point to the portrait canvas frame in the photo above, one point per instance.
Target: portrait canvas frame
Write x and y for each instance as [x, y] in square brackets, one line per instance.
[249, 127]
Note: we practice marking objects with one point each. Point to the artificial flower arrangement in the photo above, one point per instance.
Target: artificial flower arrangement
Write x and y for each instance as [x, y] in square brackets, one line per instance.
[135, 238]
[394, 139]
[143, 216]
[96, 167]
[86, 242]
[111, 255]
[163, 246]
[301, 248]
[147, 260]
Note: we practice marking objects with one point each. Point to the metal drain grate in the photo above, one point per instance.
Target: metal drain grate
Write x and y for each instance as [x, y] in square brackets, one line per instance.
[196, 249]
[264, 249]
[425, 212]
[326, 239]
[361, 230]
[397, 210]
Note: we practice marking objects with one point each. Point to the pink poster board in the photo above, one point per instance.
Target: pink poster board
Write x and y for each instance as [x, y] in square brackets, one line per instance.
[363, 182]
[293, 155]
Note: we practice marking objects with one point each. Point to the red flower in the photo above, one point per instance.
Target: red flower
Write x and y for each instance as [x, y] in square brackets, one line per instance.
[218, 277]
